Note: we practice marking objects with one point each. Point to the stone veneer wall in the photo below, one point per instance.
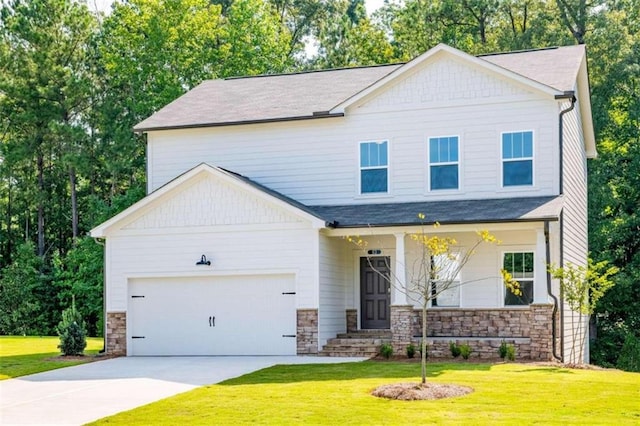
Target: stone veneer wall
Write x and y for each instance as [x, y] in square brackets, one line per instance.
[307, 331]
[401, 327]
[352, 320]
[541, 337]
[484, 329]
[116, 333]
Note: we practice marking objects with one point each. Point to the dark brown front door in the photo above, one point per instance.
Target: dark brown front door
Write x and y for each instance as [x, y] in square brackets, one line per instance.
[374, 292]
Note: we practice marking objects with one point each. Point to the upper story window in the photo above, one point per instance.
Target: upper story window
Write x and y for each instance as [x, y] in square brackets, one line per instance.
[517, 158]
[443, 163]
[520, 266]
[374, 167]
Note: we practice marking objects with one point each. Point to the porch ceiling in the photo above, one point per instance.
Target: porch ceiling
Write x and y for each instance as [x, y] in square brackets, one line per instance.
[530, 209]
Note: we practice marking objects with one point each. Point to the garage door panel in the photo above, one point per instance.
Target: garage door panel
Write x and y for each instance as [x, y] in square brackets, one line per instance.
[244, 315]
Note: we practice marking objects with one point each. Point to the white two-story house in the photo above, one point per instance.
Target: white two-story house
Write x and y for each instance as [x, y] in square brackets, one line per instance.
[239, 247]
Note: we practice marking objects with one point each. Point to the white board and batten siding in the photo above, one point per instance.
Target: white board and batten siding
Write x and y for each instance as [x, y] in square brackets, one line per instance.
[257, 251]
[316, 161]
[575, 228]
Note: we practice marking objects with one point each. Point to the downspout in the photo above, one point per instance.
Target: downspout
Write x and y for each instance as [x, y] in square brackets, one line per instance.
[554, 330]
[570, 95]
[100, 241]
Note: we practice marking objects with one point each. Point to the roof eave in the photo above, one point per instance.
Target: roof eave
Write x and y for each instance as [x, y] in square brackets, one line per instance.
[428, 223]
[316, 115]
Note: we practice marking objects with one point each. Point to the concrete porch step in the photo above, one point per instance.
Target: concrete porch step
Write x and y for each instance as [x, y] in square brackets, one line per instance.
[360, 343]
[366, 334]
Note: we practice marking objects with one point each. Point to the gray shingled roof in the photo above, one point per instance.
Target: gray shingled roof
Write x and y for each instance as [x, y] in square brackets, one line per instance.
[445, 212]
[304, 95]
[521, 209]
[556, 67]
[264, 98]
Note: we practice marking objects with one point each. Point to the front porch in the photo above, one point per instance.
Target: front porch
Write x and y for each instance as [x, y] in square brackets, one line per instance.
[477, 312]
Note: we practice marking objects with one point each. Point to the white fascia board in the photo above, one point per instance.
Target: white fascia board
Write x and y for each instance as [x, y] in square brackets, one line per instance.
[429, 229]
[431, 54]
[584, 102]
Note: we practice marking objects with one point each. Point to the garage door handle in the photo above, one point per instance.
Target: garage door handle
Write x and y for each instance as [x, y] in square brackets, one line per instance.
[212, 321]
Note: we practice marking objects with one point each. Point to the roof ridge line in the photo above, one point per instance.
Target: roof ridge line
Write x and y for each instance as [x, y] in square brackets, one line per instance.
[241, 77]
[507, 52]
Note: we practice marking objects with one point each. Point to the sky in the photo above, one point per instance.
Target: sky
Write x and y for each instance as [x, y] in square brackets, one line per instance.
[104, 5]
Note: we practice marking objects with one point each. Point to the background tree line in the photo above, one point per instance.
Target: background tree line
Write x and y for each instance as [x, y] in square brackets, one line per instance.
[73, 83]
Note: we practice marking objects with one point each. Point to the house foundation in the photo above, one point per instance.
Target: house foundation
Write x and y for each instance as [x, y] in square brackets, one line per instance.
[401, 327]
[352, 320]
[307, 332]
[116, 333]
[528, 329]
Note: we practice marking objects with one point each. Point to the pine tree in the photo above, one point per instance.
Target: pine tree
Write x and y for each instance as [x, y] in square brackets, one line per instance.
[72, 332]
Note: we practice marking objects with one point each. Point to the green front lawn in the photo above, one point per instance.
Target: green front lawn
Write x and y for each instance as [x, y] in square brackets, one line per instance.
[339, 394]
[20, 355]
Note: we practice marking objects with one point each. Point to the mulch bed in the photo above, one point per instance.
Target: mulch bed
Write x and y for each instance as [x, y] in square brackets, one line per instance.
[419, 391]
[86, 358]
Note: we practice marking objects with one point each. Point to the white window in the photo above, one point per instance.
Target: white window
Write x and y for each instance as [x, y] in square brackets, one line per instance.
[374, 167]
[445, 287]
[517, 159]
[443, 163]
[520, 266]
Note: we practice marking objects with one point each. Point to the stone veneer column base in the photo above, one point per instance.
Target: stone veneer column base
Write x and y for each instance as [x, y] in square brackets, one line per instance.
[401, 327]
[307, 332]
[541, 337]
[116, 333]
[352, 320]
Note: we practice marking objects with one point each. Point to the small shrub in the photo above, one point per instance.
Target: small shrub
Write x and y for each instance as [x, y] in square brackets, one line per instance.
[502, 350]
[629, 359]
[511, 352]
[411, 350]
[72, 332]
[455, 349]
[465, 351]
[386, 350]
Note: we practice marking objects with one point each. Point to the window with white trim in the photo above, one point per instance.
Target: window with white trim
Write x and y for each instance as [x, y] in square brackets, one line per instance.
[520, 266]
[374, 167]
[443, 163]
[517, 159]
[445, 287]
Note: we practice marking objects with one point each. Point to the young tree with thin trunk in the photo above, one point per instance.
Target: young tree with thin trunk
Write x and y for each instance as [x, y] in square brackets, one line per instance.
[435, 272]
[582, 287]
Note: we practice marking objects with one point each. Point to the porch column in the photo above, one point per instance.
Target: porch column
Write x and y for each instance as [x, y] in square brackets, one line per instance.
[399, 284]
[540, 270]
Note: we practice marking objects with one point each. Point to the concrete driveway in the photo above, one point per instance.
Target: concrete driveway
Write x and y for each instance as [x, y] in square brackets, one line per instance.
[87, 392]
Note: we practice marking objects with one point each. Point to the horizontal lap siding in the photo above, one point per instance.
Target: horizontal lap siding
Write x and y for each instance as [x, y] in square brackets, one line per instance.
[575, 242]
[230, 253]
[316, 161]
[333, 287]
[482, 285]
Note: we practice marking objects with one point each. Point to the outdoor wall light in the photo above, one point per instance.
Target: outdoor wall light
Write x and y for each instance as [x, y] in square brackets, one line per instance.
[203, 261]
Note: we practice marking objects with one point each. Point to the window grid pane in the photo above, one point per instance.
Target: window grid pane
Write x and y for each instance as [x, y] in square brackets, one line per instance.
[373, 180]
[517, 158]
[373, 167]
[443, 159]
[521, 267]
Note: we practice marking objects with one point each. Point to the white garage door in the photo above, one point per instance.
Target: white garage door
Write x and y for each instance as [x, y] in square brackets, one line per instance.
[239, 315]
